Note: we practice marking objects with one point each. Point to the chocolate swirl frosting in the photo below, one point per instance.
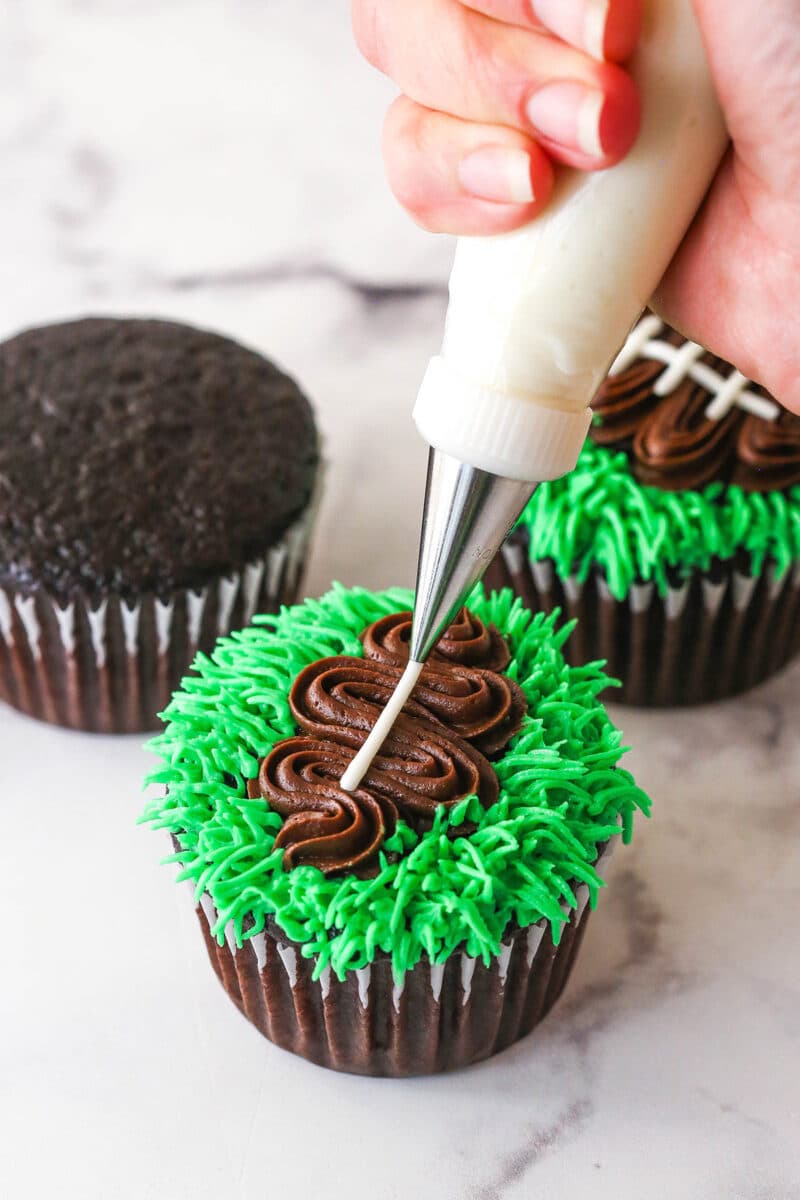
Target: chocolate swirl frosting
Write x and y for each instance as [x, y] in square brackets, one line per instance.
[435, 754]
[672, 441]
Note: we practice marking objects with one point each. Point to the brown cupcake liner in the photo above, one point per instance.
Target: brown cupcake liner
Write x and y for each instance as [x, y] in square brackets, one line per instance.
[435, 1018]
[714, 634]
[112, 667]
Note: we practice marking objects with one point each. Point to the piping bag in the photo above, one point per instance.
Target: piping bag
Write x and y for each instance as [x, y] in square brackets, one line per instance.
[534, 321]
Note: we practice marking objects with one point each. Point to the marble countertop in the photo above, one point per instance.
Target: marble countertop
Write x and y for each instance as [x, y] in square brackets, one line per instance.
[220, 164]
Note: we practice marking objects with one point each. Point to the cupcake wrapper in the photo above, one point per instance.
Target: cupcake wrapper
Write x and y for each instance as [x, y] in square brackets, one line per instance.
[715, 635]
[435, 1018]
[110, 668]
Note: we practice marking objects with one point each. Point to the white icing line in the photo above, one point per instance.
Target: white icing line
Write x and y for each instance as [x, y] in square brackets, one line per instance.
[535, 935]
[397, 989]
[227, 596]
[437, 979]
[230, 937]
[163, 615]
[26, 607]
[637, 339]
[503, 960]
[467, 971]
[288, 956]
[685, 358]
[66, 625]
[684, 362]
[582, 896]
[325, 982]
[251, 585]
[259, 943]
[130, 626]
[97, 631]
[603, 588]
[363, 977]
[5, 617]
[195, 607]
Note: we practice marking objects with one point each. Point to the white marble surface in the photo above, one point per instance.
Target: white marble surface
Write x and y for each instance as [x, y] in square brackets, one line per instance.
[219, 163]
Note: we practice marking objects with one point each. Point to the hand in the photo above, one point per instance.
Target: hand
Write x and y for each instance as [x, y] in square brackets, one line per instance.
[497, 90]
[493, 91]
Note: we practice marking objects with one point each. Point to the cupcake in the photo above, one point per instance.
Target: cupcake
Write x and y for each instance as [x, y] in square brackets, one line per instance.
[156, 487]
[432, 917]
[676, 541]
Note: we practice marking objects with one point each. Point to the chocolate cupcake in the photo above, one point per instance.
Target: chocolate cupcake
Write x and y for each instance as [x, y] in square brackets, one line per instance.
[156, 487]
[676, 541]
[430, 918]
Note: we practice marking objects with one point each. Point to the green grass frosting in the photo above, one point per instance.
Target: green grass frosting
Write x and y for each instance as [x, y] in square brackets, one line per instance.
[561, 796]
[601, 516]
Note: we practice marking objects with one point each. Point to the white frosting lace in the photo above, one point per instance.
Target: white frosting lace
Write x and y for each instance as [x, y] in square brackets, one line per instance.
[684, 362]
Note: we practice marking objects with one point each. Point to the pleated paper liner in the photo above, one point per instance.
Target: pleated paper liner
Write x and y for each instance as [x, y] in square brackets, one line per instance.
[434, 1018]
[111, 667]
[714, 634]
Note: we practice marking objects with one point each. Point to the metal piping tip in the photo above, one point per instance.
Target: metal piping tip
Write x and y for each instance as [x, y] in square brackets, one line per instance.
[468, 514]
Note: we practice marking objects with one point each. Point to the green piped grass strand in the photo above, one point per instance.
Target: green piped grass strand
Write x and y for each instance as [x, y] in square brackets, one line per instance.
[600, 516]
[562, 796]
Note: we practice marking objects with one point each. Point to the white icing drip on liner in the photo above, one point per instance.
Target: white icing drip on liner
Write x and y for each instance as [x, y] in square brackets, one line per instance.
[325, 982]
[437, 979]
[195, 607]
[534, 938]
[288, 956]
[683, 362]
[467, 971]
[97, 629]
[130, 626]
[398, 984]
[26, 607]
[504, 959]
[163, 614]
[363, 975]
[5, 617]
[66, 625]
[259, 943]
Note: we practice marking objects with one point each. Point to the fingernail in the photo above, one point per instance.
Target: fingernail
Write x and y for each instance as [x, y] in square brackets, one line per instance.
[569, 113]
[497, 173]
[581, 22]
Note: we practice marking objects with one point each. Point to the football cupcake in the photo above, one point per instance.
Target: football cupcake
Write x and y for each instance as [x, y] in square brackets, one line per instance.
[676, 541]
[156, 486]
[431, 917]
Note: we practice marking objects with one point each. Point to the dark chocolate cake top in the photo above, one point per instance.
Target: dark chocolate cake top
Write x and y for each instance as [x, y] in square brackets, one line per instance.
[142, 455]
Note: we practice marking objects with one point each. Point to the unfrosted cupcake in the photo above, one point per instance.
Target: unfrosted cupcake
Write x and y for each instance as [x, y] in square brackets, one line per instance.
[676, 541]
[432, 917]
[156, 487]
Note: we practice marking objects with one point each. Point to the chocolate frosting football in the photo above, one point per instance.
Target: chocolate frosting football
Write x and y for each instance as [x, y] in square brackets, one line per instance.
[676, 438]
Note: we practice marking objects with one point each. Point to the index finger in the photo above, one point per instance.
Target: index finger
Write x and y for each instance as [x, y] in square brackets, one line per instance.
[605, 29]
